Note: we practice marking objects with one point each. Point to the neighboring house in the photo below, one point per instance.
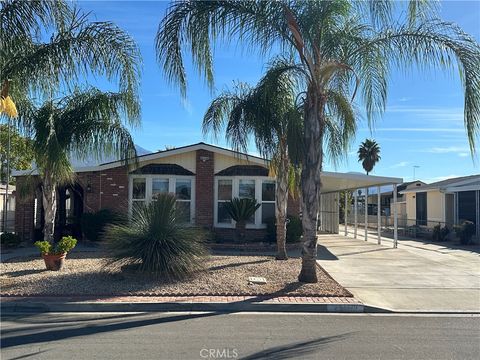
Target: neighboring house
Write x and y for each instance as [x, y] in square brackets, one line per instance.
[387, 198]
[447, 202]
[203, 177]
[7, 202]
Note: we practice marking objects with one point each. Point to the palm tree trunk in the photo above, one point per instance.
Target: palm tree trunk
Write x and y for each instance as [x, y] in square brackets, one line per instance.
[281, 198]
[311, 182]
[49, 201]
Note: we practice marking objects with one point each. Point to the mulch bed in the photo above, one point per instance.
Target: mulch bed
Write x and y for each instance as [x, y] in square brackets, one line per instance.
[85, 274]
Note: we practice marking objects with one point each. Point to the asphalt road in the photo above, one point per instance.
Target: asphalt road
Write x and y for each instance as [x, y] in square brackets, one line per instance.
[238, 336]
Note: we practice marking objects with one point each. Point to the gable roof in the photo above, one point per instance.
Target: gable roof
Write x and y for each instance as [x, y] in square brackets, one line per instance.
[162, 169]
[244, 170]
[448, 183]
[159, 155]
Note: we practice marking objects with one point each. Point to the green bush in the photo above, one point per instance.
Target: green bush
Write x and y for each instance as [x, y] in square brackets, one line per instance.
[65, 244]
[440, 233]
[93, 224]
[10, 240]
[240, 210]
[157, 241]
[294, 229]
[465, 232]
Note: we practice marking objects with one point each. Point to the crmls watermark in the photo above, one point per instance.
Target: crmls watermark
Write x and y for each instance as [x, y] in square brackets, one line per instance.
[219, 353]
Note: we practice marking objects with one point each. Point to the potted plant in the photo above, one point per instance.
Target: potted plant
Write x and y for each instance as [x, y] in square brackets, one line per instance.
[54, 255]
[241, 210]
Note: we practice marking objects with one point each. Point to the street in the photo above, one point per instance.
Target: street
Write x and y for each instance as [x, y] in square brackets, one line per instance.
[238, 336]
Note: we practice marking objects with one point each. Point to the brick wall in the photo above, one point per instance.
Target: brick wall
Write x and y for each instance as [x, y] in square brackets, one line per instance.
[108, 189]
[204, 182]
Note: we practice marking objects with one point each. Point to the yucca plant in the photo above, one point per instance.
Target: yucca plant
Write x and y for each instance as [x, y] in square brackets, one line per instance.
[241, 210]
[157, 241]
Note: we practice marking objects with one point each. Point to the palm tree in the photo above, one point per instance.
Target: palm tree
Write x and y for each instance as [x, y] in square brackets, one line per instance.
[79, 125]
[268, 112]
[77, 48]
[369, 154]
[341, 48]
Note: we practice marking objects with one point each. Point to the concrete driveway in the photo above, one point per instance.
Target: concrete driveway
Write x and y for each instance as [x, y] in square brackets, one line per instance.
[413, 277]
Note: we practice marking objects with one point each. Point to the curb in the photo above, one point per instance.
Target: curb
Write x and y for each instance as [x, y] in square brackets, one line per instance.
[42, 307]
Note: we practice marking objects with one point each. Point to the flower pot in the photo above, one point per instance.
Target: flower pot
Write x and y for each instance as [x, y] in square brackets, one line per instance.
[54, 262]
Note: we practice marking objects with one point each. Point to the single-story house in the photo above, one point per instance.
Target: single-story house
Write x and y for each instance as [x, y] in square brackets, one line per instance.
[447, 202]
[203, 177]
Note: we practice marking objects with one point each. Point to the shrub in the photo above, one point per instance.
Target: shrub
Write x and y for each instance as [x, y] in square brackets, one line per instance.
[93, 224]
[241, 210]
[294, 229]
[10, 240]
[465, 231]
[65, 244]
[157, 241]
[440, 233]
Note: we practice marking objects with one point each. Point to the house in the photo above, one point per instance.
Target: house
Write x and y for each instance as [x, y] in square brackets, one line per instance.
[203, 177]
[447, 202]
[7, 208]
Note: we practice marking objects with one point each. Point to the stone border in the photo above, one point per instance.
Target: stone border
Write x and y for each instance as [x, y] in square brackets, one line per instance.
[181, 303]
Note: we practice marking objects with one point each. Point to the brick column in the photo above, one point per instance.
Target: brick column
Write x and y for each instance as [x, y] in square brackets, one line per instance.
[24, 212]
[204, 182]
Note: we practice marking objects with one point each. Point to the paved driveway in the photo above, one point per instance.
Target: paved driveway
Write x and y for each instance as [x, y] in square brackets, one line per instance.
[413, 277]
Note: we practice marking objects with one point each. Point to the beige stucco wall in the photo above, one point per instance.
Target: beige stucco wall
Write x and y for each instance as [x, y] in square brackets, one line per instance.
[435, 206]
[223, 161]
[411, 208]
[186, 160]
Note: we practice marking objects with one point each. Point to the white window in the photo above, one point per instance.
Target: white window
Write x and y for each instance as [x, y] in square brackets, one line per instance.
[262, 189]
[144, 188]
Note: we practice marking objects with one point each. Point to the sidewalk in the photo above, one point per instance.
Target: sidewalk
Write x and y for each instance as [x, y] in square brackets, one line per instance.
[415, 277]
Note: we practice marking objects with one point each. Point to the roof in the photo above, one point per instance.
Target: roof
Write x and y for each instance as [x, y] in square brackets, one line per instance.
[335, 181]
[158, 155]
[245, 170]
[448, 184]
[163, 169]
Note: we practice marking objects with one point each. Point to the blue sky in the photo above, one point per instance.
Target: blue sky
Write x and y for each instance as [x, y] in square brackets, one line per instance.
[423, 124]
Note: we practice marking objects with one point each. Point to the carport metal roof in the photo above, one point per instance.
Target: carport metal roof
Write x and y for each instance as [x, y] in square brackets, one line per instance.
[335, 181]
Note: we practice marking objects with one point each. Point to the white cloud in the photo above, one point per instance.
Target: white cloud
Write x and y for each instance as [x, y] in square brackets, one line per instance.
[448, 149]
[463, 154]
[400, 164]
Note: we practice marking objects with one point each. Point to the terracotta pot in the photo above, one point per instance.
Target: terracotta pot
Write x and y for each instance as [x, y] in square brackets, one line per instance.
[54, 262]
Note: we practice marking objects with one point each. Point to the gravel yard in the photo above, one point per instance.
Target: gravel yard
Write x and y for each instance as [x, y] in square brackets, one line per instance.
[84, 274]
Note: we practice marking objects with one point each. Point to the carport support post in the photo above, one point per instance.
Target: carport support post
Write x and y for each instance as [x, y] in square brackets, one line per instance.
[395, 217]
[366, 214]
[379, 218]
[355, 213]
[345, 212]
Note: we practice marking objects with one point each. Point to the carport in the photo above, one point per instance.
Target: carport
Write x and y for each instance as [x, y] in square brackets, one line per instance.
[333, 183]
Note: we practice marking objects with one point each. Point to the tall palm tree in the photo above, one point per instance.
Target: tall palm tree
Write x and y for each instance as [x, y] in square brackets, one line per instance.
[369, 154]
[78, 125]
[268, 113]
[77, 47]
[341, 48]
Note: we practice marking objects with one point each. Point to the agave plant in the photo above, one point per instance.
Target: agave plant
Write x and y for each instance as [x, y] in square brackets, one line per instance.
[156, 241]
[241, 210]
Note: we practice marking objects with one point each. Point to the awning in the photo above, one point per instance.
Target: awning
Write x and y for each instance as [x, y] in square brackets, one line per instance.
[335, 181]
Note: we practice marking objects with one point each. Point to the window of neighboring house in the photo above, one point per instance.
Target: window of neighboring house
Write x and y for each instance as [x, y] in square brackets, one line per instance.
[421, 205]
[268, 200]
[139, 191]
[225, 188]
[183, 193]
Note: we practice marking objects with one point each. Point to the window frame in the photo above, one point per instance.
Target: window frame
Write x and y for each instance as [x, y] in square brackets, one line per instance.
[235, 193]
[172, 181]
